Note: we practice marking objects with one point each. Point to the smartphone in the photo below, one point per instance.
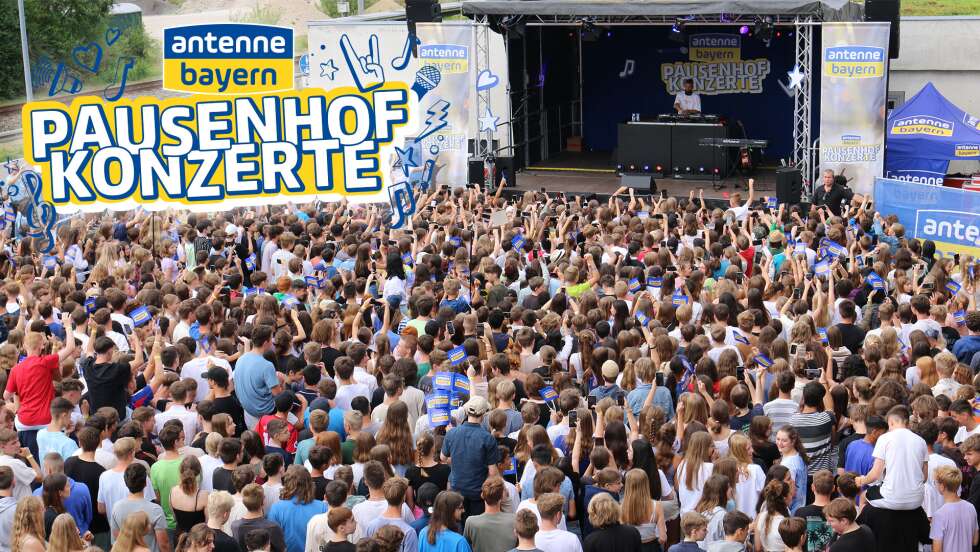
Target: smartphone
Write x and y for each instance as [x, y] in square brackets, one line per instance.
[621, 400]
[811, 373]
[480, 329]
[590, 400]
[450, 328]
[956, 258]
[670, 268]
[928, 286]
[573, 418]
[739, 278]
[859, 260]
[663, 243]
[740, 372]
[794, 349]
[659, 379]
[663, 194]
[758, 257]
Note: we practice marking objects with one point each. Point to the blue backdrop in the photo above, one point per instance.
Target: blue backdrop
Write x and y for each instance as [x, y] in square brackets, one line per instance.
[609, 99]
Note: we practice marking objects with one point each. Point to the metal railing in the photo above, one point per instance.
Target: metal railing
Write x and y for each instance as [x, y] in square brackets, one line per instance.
[540, 134]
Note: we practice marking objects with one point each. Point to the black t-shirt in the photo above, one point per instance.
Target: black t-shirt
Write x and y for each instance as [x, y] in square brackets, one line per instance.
[221, 480]
[621, 538]
[861, 540]
[88, 473]
[896, 530]
[738, 423]
[818, 532]
[328, 355]
[105, 381]
[320, 487]
[338, 547]
[764, 454]
[851, 336]
[437, 475]
[224, 543]
[242, 527]
[229, 405]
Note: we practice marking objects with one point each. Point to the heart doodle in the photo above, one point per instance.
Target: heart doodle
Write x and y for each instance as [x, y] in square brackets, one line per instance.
[486, 80]
[93, 50]
[112, 35]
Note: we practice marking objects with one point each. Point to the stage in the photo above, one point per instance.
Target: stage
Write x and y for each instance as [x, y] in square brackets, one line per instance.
[592, 172]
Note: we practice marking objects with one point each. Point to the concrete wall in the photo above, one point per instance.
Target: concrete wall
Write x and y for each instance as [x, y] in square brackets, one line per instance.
[945, 51]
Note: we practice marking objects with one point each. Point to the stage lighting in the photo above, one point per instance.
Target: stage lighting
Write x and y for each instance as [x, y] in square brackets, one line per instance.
[619, 167]
[717, 170]
[677, 170]
[632, 167]
[763, 28]
[701, 170]
[646, 168]
[687, 169]
[660, 168]
[743, 30]
[677, 32]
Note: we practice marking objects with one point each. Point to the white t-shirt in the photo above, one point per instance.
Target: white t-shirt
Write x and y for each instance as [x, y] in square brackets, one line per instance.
[196, 367]
[528, 505]
[369, 510]
[934, 497]
[962, 434]
[686, 101]
[748, 488]
[690, 497]
[208, 465]
[23, 475]
[557, 541]
[904, 454]
[112, 489]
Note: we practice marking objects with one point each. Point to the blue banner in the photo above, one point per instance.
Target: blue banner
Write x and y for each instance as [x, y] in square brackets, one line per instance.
[916, 169]
[950, 217]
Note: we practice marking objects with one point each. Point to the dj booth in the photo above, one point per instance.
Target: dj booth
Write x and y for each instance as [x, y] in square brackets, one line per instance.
[674, 145]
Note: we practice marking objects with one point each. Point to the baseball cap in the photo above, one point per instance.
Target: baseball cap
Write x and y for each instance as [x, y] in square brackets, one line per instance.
[610, 370]
[477, 406]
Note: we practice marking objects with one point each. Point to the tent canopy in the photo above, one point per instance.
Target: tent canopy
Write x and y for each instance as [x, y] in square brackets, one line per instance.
[650, 7]
[929, 126]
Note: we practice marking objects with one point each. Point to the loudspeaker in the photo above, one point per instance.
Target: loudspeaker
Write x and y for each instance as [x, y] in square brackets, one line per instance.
[419, 11]
[789, 185]
[504, 166]
[885, 10]
[642, 182]
[475, 172]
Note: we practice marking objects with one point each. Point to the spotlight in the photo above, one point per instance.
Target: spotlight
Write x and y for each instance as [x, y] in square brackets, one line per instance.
[763, 28]
[608, 34]
[677, 32]
[717, 170]
[632, 167]
[619, 167]
[701, 170]
[646, 168]
[743, 30]
[660, 168]
[677, 170]
[687, 169]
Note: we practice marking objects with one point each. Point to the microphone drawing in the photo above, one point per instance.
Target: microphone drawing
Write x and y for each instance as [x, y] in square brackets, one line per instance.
[426, 79]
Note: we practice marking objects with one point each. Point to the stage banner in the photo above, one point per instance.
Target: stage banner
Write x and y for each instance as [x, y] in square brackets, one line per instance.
[948, 216]
[716, 66]
[441, 78]
[853, 88]
[914, 169]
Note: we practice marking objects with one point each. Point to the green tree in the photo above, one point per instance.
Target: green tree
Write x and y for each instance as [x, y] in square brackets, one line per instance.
[54, 28]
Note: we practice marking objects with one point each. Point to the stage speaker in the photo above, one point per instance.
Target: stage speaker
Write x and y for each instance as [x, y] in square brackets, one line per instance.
[475, 171]
[642, 182]
[504, 166]
[423, 11]
[789, 185]
[885, 10]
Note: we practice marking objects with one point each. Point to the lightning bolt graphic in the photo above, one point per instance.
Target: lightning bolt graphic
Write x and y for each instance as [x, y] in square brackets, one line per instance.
[435, 119]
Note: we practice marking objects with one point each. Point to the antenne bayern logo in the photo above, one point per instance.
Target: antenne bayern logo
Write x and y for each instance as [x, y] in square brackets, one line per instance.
[228, 58]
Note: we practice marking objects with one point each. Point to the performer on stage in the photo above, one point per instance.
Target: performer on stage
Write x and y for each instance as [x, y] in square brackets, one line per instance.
[688, 102]
[833, 191]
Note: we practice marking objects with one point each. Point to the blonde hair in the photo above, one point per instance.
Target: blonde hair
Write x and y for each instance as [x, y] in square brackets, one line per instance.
[697, 452]
[740, 448]
[131, 533]
[945, 363]
[637, 503]
[64, 535]
[948, 478]
[28, 522]
[219, 504]
[603, 510]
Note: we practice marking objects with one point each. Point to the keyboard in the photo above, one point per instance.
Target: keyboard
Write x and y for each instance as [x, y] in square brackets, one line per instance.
[733, 143]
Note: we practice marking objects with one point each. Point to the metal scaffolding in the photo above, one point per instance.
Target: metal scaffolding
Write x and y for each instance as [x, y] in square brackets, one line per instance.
[802, 154]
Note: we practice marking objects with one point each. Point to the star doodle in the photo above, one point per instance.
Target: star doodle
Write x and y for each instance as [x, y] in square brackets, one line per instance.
[406, 158]
[795, 77]
[328, 69]
[489, 122]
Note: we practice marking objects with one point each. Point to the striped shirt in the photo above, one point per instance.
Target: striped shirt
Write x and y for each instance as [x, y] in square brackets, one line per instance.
[816, 431]
[780, 411]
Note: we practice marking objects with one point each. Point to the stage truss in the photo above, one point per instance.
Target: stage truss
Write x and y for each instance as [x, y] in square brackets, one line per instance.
[802, 100]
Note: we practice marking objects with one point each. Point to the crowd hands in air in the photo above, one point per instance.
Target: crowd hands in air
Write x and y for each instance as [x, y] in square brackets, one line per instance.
[541, 372]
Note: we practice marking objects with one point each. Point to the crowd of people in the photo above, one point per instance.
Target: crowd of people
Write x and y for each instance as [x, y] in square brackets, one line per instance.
[539, 373]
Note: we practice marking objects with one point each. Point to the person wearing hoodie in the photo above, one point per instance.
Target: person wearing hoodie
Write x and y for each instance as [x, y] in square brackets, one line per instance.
[736, 526]
[8, 506]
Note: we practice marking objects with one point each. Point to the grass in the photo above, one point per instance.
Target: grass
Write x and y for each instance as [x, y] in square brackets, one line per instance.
[13, 149]
[261, 14]
[941, 7]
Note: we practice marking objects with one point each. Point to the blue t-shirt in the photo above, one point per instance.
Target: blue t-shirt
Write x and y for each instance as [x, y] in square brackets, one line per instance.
[254, 379]
[293, 517]
[797, 467]
[410, 542]
[446, 541]
[335, 422]
[965, 347]
[78, 504]
[661, 398]
[858, 458]
[50, 441]
[471, 450]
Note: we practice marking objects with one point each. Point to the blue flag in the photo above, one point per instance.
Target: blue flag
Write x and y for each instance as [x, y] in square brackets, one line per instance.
[438, 399]
[953, 287]
[635, 285]
[443, 381]
[960, 317]
[740, 338]
[654, 281]
[438, 417]
[642, 318]
[461, 384]
[140, 316]
[763, 360]
[549, 394]
[250, 262]
[518, 242]
[90, 305]
[457, 355]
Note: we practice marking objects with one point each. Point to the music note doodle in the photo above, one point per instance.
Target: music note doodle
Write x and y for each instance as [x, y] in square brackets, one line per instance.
[627, 69]
[122, 75]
